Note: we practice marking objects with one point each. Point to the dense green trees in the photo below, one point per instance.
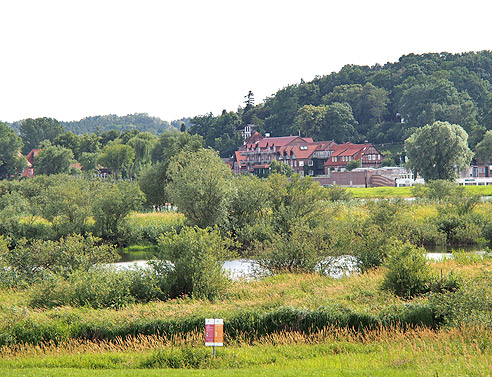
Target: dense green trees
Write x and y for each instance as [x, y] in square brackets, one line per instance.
[112, 205]
[34, 131]
[327, 122]
[53, 159]
[103, 123]
[436, 151]
[483, 150]
[10, 163]
[116, 157]
[220, 133]
[154, 178]
[421, 89]
[68, 205]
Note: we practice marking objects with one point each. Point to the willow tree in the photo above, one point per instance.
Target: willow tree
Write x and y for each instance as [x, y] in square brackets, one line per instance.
[437, 151]
[201, 186]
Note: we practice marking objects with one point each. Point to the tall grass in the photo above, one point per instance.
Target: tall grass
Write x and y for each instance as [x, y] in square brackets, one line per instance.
[381, 351]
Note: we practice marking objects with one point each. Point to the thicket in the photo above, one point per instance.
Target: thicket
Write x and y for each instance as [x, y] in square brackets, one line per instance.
[52, 207]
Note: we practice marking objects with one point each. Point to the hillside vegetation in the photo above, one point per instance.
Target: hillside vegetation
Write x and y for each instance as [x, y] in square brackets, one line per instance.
[380, 104]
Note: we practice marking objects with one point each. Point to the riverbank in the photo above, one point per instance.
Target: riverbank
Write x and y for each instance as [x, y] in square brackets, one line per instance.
[382, 334]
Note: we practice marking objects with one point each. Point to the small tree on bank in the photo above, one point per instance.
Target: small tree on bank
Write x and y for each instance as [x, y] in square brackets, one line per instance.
[191, 263]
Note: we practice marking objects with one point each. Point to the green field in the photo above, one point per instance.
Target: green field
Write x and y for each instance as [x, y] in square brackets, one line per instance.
[405, 192]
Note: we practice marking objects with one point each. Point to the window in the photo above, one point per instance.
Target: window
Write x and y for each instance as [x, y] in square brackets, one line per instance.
[333, 159]
[311, 172]
[301, 163]
[303, 147]
[310, 162]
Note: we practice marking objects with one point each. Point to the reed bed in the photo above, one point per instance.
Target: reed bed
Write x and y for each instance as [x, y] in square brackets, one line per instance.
[468, 349]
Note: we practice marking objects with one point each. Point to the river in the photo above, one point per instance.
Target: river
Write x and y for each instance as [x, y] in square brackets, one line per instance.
[237, 269]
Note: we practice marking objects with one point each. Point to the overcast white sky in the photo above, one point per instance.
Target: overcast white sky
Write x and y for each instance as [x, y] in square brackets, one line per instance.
[70, 59]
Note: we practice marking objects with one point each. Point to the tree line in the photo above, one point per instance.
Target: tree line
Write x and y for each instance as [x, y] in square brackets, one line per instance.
[125, 153]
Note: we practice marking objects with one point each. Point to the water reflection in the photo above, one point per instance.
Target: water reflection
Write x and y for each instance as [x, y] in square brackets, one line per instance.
[335, 267]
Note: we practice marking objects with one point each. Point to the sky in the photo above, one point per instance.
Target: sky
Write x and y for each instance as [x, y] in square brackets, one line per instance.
[72, 59]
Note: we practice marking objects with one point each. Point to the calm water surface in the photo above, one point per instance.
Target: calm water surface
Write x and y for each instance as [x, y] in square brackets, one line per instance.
[336, 267]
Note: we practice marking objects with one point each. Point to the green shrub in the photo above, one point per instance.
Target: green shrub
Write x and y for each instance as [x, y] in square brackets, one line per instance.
[370, 245]
[191, 262]
[487, 233]
[33, 260]
[50, 292]
[449, 283]
[424, 232]
[353, 164]
[101, 287]
[408, 273]
[460, 229]
[146, 285]
[337, 193]
[301, 251]
[469, 304]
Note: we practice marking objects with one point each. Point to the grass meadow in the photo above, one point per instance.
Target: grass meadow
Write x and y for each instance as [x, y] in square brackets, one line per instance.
[333, 350]
[405, 192]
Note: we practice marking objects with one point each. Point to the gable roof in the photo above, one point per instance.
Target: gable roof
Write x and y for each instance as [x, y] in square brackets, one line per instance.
[30, 156]
[254, 138]
[239, 156]
[282, 141]
[300, 151]
[347, 150]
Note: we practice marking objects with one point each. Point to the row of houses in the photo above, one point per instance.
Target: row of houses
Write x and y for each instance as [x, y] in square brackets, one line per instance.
[304, 155]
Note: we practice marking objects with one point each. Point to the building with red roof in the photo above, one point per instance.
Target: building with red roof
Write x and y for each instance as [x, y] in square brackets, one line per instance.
[29, 170]
[304, 155]
[259, 151]
[344, 153]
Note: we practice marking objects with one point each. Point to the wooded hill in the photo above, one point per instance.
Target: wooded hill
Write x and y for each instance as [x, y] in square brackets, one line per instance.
[102, 123]
[380, 104]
